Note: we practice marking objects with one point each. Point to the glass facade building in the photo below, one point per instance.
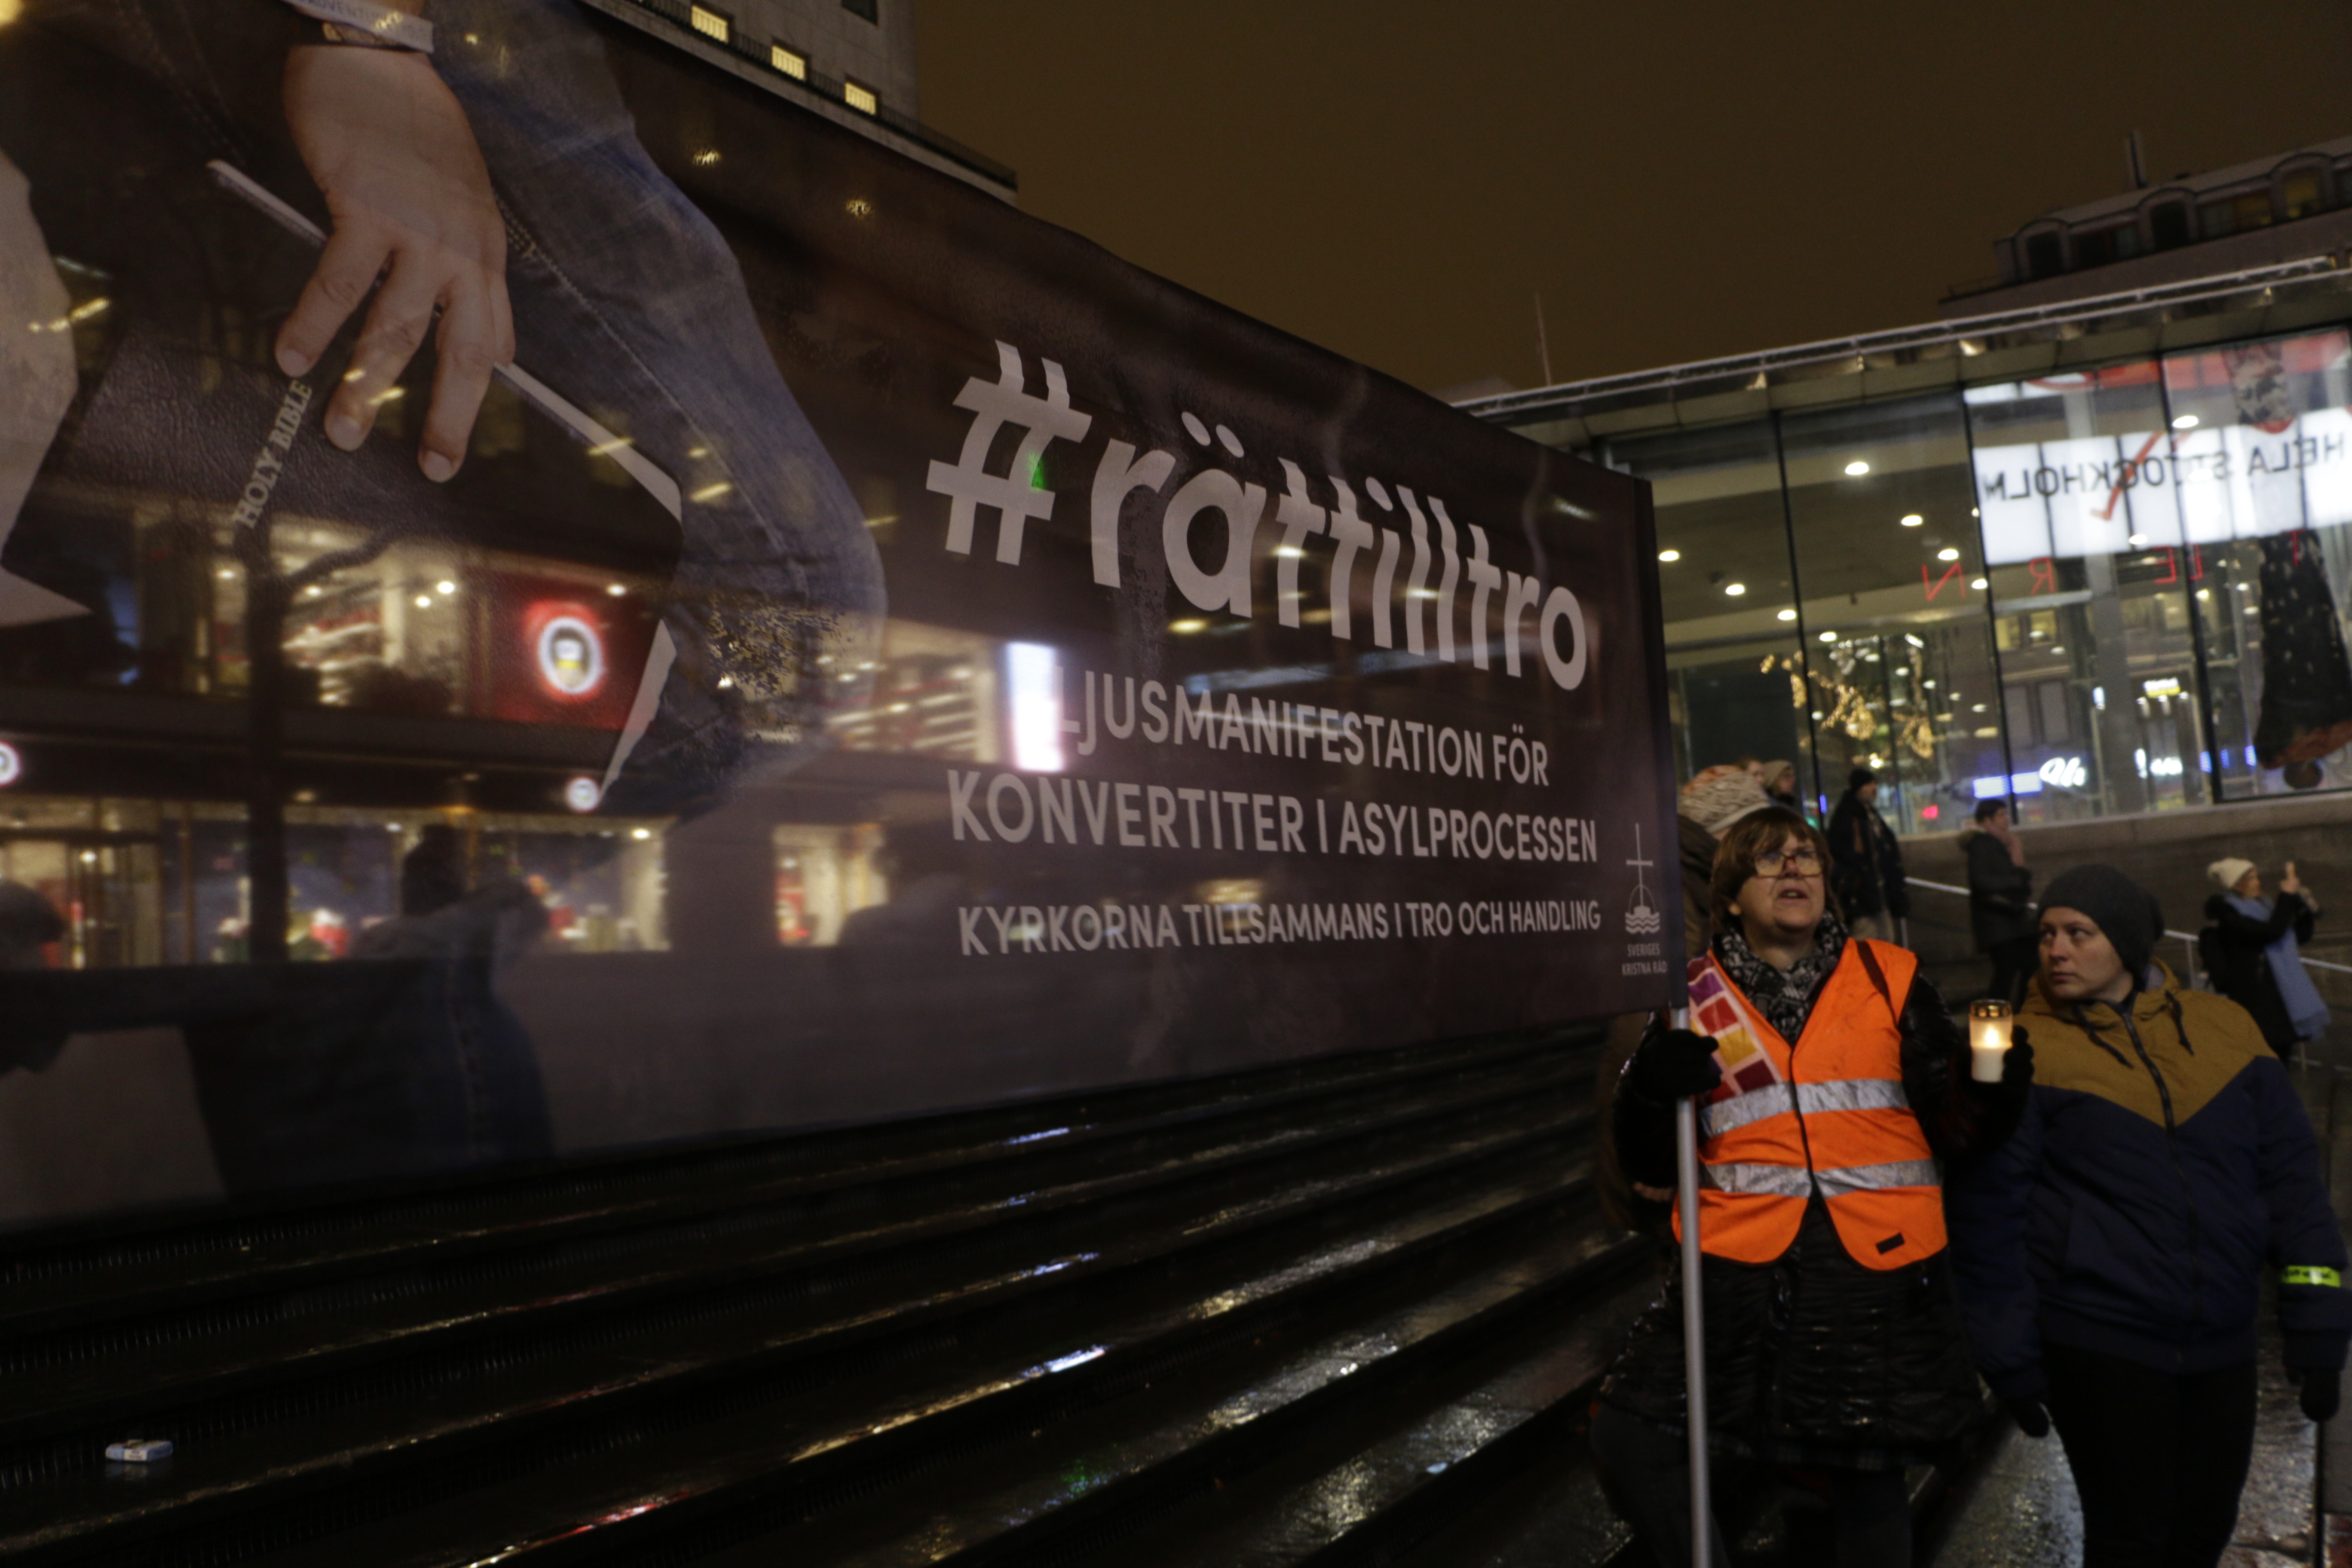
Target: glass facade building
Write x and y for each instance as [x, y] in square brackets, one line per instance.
[2116, 585]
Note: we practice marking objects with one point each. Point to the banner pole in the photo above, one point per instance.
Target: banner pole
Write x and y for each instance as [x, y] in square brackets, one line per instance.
[1693, 1319]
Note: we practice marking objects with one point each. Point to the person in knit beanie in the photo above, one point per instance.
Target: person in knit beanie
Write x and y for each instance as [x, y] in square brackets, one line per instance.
[2113, 1255]
[2125, 912]
[1718, 796]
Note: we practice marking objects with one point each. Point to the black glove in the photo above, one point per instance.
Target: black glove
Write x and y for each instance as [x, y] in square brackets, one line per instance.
[2017, 1066]
[2016, 1072]
[1675, 1066]
[2031, 1418]
[2321, 1390]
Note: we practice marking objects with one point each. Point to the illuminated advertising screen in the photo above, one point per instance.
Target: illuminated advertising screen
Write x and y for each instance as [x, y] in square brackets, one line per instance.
[734, 629]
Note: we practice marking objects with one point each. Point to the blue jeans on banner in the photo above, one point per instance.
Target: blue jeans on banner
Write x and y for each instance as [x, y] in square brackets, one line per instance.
[627, 299]
[628, 303]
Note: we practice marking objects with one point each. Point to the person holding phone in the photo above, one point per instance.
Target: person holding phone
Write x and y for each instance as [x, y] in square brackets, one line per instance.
[2252, 951]
[1831, 1080]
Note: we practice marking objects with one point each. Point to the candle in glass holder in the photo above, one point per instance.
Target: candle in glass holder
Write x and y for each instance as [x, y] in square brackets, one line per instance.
[1989, 1029]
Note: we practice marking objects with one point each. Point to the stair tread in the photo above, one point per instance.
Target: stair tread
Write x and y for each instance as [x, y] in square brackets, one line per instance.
[1040, 1490]
[287, 1260]
[324, 1448]
[49, 1396]
[759, 1451]
[1380, 1474]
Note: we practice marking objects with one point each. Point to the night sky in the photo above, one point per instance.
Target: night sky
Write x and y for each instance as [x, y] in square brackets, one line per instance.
[1397, 181]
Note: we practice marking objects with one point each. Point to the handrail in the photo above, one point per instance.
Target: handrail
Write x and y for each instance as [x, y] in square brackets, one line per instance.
[2188, 937]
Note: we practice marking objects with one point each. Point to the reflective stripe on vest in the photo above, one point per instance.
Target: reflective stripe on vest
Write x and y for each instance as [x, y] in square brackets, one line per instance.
[1848, 1094]
[1796, 1182]
[1831, 1121]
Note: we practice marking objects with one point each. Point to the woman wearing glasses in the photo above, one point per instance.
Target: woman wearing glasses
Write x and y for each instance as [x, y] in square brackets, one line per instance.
[1831, 1079]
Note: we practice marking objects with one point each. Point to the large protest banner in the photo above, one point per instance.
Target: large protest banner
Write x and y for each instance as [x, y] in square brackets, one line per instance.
[880, 652]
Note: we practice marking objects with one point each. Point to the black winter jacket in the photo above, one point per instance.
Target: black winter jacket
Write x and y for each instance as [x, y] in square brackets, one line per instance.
[2164, 1164]
[2243, 971]
[1866, 861]
[1813, 1358]
[2001, 893]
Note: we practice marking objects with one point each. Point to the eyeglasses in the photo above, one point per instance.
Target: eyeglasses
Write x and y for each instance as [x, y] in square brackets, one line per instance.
[1803, 862]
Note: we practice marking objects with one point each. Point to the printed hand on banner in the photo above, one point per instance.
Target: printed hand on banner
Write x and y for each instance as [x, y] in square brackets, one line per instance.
[411, 203]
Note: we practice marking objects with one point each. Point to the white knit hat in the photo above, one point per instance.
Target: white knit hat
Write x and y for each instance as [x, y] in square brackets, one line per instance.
[2228, 871]
[1718, 796]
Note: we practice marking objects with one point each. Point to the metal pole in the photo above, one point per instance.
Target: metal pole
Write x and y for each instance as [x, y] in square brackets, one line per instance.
[1693, 1319]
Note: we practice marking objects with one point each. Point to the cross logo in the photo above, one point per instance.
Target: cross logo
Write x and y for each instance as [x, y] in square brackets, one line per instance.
[1016, 495]
[1641, 917]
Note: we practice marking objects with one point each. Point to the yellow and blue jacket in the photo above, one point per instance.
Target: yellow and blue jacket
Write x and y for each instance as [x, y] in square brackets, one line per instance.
[2165, 1163]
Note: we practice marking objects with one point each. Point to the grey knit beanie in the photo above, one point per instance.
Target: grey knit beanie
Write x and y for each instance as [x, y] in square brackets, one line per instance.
[1721, 795]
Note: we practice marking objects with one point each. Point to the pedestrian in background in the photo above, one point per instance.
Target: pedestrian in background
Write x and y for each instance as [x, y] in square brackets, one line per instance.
[1869, 877]
[2000, 900]
[2252, 951]
[2110, 1256]
[1833, 1340]
[1781, 784]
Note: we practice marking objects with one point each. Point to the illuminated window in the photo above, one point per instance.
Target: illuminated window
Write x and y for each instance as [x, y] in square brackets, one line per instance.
[2251, 210]
[2301, 193]
[791, 62]
[860, 99]
[708, 23]
[869, 9]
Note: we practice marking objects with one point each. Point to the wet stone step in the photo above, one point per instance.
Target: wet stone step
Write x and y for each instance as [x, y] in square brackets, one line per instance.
[79, 1298]
[778, 1461]
[1114, 1473]
[1369, 1493]
[520, 1404]
[164, 1370]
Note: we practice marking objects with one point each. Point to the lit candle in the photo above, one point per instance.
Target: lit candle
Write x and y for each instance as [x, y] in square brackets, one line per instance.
[1989, 1030]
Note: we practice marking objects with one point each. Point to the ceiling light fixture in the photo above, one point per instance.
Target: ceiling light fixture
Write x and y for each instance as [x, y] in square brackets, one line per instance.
[1914, 521]
[1856, 468]
[1670, 555]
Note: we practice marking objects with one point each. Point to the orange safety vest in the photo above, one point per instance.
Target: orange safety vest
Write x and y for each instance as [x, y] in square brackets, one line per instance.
[1826, 1116]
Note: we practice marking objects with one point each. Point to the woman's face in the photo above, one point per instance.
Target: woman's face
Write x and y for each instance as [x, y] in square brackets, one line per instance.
[2249, 886]
[1785, 903]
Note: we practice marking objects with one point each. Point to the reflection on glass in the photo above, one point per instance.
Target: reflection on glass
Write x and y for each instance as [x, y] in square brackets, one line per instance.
[1893, 606]
[2262, 451]
[2091, 588]
[824, 876]
[1734, 664]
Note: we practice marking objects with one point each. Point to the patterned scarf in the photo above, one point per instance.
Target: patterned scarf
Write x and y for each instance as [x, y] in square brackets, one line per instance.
[1784, 997]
